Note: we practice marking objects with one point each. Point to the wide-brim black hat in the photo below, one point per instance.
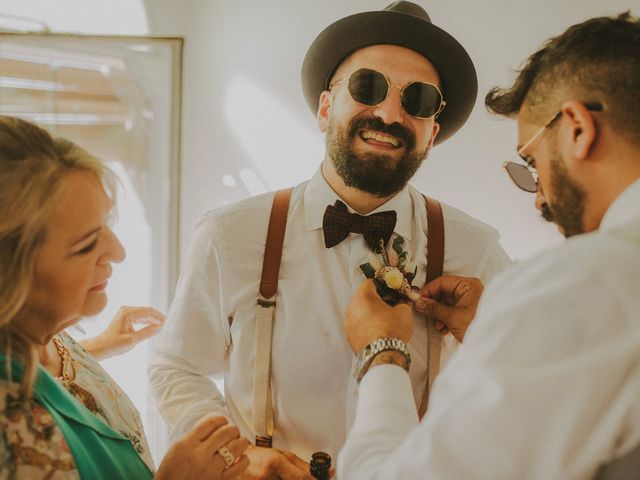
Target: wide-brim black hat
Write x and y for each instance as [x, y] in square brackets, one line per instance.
[407, 25]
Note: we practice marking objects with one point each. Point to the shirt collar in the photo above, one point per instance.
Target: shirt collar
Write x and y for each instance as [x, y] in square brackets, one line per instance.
[318, 195]
[624, 208]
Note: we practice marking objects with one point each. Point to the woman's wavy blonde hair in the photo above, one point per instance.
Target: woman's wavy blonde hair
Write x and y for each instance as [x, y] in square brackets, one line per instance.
[32, 165]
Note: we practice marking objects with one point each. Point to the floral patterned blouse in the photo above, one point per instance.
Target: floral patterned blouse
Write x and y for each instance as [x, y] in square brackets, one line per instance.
[31, 444]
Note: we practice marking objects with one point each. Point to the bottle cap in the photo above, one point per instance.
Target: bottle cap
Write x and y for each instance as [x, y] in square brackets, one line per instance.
[320, 465]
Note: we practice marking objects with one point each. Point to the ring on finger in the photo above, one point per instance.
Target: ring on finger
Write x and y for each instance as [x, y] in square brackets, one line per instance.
[227, 456]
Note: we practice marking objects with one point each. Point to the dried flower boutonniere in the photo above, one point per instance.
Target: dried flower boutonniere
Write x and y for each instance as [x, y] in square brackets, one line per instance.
[393, 276]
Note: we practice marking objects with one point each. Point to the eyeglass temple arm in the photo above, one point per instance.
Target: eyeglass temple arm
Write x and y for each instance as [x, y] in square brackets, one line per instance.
[594, 107]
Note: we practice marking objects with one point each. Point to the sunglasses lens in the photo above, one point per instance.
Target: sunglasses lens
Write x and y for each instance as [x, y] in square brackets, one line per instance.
[368, 87]
[522, 177]
[421, 99]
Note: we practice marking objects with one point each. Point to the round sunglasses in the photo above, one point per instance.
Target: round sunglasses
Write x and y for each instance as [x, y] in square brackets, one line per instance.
[525, 176]
[370, 87]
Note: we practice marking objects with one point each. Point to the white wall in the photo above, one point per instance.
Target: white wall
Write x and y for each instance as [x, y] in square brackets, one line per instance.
[265, 42]
[112, 17]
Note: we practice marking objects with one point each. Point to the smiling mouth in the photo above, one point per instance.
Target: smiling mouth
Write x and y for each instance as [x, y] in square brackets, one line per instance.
[377, 138]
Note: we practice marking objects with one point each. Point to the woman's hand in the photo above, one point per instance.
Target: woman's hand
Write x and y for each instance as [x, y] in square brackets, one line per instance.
[121, 335]
[196, 455]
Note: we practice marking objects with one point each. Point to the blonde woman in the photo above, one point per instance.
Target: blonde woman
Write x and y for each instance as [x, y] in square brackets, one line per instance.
[56, 252]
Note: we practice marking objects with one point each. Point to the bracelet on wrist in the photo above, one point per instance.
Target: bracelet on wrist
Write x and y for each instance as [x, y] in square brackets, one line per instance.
[365, 356]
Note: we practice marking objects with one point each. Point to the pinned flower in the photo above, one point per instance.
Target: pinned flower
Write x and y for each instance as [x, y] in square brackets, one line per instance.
[394, 258]
[394, 281]
[392, 277]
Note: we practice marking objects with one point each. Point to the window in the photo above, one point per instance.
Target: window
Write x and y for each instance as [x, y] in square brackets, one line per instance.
[119, 98]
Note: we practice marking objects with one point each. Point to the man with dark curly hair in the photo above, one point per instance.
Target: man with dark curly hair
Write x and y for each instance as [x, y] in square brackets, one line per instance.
[547, 382]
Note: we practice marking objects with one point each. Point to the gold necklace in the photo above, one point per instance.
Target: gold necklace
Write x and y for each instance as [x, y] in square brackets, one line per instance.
[69, 375]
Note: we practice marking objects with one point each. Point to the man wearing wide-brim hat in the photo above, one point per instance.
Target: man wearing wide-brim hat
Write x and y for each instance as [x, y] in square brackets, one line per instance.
[385, 87]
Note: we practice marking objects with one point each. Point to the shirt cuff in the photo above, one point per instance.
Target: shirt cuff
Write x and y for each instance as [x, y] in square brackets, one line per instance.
[387, 387]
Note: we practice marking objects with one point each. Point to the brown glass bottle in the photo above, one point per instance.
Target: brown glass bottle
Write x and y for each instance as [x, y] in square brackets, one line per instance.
[320, 465]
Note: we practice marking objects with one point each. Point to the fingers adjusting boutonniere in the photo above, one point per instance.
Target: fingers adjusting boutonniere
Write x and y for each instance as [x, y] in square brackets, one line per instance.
[391, 269]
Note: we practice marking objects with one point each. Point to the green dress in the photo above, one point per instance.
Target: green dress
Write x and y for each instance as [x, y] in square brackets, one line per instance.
[98, 451]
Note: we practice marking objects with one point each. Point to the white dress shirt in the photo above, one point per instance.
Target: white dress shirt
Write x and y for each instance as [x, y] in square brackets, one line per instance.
[311, 359]
[545, 386]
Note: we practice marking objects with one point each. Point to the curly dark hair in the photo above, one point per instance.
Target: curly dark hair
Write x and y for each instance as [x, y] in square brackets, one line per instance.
[594, 61]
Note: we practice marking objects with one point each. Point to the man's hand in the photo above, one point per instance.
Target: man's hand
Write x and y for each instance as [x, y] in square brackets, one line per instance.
[452, 301]
[270, 463]
[369, 318]
[122, 334]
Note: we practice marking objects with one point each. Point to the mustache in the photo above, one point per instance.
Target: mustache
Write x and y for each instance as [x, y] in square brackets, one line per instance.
[394, 129]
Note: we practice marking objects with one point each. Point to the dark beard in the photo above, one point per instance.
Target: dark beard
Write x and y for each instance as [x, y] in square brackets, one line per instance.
[374, 174]
[567, 210]
[545, 212]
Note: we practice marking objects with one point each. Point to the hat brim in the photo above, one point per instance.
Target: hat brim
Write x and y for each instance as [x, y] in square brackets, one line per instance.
[459, 82]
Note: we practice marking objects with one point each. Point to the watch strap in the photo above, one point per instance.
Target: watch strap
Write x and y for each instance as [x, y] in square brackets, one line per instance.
[367, 354]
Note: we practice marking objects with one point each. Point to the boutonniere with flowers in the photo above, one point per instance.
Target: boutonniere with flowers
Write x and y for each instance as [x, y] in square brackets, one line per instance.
[393, 274]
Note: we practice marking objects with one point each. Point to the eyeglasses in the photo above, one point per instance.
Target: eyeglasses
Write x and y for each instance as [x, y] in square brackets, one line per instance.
[418, 99]
[524, 176]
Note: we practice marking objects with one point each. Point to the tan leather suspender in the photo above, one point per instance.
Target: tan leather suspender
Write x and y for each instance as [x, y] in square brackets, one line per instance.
[435, 263]
[262, 400]
[435, 239]
[275, 239]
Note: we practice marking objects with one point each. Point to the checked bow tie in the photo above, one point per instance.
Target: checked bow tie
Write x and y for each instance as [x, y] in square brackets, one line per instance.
[337, 223]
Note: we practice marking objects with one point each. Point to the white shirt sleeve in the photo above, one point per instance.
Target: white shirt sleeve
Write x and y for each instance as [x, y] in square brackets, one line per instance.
[494, 261]
[381, 426]
[192, 344]
[546, 384]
